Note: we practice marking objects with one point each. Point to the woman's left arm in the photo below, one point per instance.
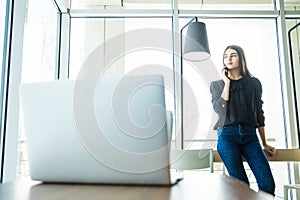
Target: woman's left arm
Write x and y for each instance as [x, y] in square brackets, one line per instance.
[270, 151]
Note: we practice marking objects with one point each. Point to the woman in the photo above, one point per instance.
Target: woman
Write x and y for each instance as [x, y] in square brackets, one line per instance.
[237, 100]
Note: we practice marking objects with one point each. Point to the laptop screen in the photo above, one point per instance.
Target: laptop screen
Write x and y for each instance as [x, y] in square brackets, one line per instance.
[110, 130]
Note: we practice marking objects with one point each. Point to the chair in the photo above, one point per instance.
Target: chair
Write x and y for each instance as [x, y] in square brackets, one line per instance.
[188, 159]
[290, 186]
[169, 124]
[191, 159]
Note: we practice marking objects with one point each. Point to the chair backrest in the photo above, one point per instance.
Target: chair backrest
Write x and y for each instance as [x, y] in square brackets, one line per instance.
[191, 159]
[188, 159]
[169, 124]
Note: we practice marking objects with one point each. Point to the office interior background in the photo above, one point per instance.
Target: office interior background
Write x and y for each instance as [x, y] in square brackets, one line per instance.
[46, 40]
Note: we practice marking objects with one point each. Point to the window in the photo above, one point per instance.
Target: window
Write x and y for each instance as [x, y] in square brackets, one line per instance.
[39, 58]
[227, 5]
[258, 39]
[126, 4]
[291, 5]
[40, 40]
[122, 49]
[293, 31]
[2, 25]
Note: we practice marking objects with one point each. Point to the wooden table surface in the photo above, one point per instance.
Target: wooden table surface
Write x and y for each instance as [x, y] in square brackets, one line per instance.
[200, 186]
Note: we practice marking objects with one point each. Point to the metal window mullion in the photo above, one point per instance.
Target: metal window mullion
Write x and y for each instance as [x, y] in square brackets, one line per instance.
[97, 13]
[62, 5]
[163, 13]
[4, 66]
[63, 46]
[177, 79]
[284, 55]
[229, 13]
[285, 67]
[292, 14]
[13, 80]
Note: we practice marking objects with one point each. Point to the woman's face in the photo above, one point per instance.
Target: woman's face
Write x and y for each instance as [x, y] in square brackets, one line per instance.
[231, 59]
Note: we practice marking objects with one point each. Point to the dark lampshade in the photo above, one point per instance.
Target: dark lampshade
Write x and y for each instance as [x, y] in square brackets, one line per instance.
[196, 45]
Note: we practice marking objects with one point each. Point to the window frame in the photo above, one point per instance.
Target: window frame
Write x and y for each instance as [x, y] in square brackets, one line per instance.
[4, 69]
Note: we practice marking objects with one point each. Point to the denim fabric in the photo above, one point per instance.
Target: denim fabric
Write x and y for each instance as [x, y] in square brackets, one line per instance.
[237, 141]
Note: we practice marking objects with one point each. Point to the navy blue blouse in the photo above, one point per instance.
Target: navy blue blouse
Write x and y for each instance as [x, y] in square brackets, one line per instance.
[244, 106]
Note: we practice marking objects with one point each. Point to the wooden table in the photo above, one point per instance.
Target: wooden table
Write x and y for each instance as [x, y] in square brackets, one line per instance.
[282, 155]
[199, 185]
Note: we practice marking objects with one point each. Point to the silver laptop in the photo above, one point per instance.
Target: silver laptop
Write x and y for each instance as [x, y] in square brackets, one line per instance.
[111, 130]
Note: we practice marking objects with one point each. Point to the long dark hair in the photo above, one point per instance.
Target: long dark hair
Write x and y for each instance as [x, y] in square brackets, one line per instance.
[242, 60]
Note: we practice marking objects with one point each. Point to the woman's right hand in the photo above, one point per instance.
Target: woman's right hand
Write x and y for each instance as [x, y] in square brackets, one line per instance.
[225, 74]
[225, 93]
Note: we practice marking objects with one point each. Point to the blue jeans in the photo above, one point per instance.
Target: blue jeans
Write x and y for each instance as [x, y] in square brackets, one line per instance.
[237, 141]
